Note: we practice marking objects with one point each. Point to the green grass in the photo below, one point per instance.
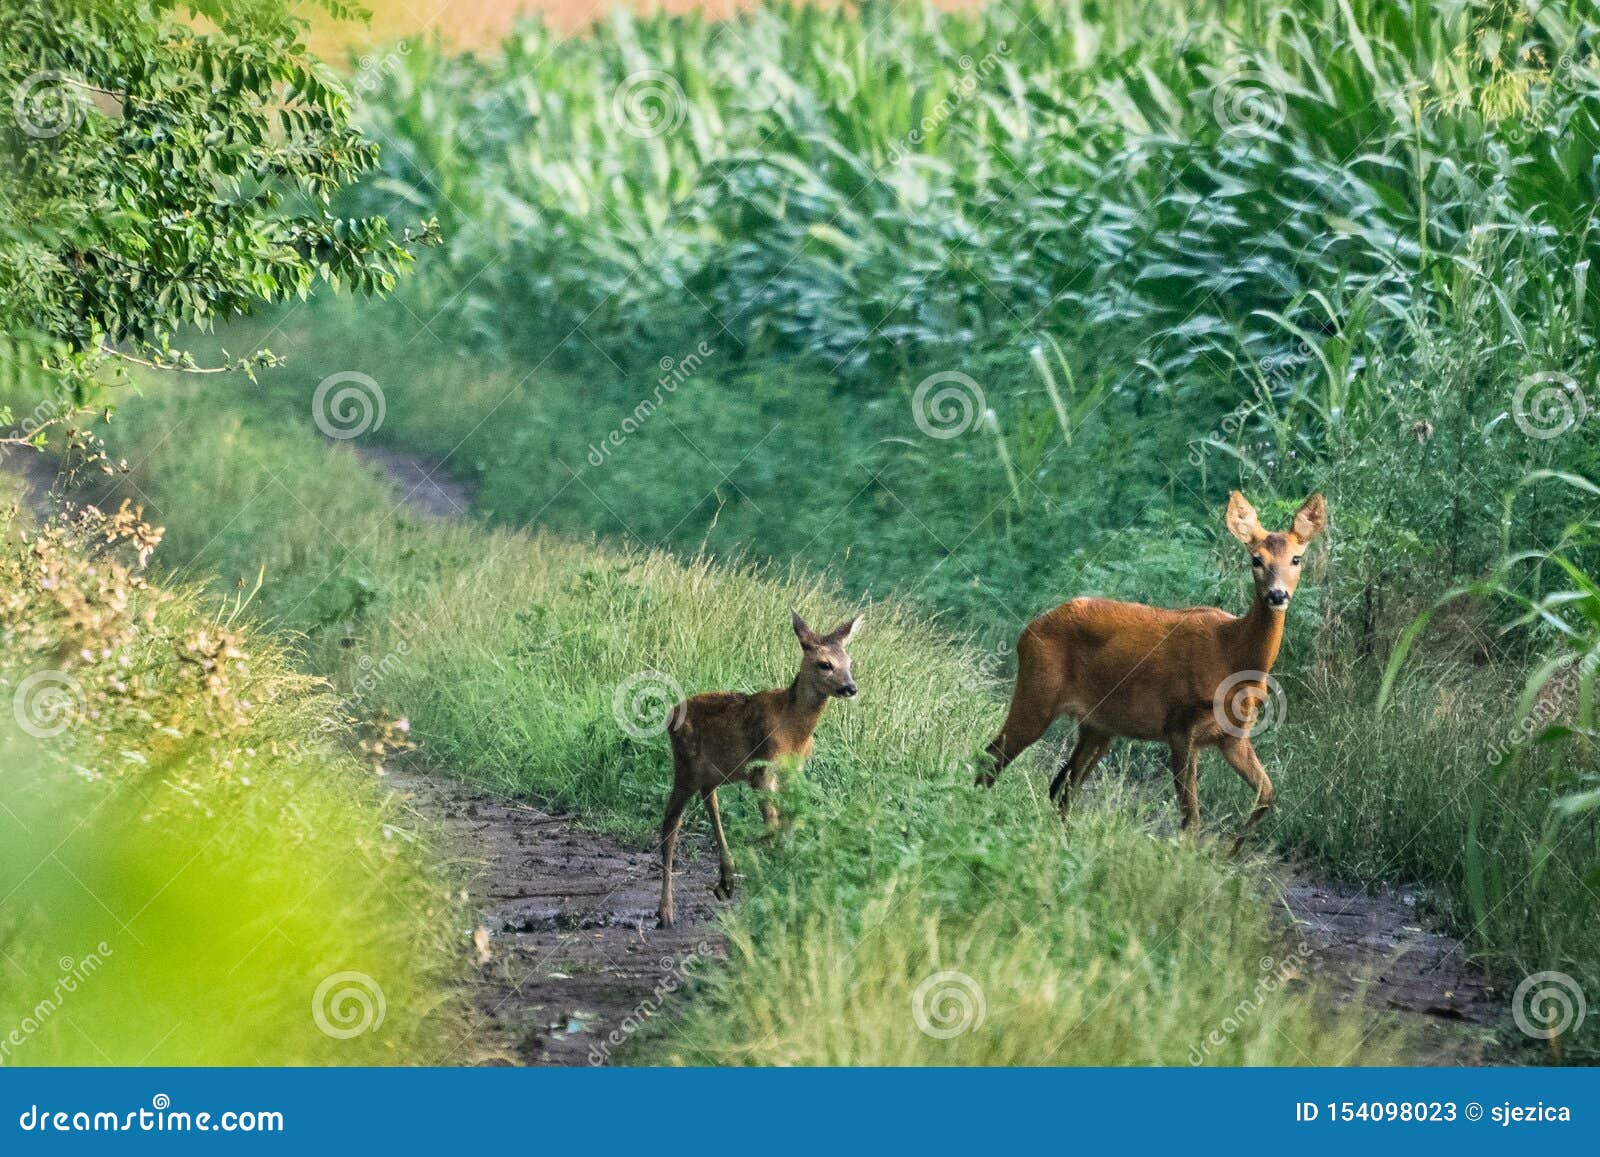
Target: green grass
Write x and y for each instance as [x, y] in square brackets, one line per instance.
[193, 875]
[894, 868]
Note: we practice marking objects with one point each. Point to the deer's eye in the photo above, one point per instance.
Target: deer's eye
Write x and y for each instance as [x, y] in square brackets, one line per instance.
[1257, 560]
[1295, 560]
[821, 666]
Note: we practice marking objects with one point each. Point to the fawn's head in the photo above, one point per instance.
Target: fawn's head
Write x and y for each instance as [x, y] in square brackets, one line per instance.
[825, 669]
[1275, 558]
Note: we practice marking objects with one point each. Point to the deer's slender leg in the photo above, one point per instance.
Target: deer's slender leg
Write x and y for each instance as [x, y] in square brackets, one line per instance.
[1241, 756]
[1033, 708]
[1088, 751]
[765, 785]
[1186, 778]
[724, 888]
[1025, 722]
[670, 824]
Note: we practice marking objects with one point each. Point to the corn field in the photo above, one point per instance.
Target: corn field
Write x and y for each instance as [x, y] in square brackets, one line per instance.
[1247, 197]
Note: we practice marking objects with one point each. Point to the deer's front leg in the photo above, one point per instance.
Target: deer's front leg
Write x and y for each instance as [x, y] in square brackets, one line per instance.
[764, 782]
[1186, 778]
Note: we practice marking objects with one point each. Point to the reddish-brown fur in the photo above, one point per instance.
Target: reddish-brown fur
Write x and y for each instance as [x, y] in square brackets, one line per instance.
[724, 737]
[1124, 669]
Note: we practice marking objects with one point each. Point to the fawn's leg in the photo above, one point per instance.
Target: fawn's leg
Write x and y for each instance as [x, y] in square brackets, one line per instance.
[765, 786]
[1087, 752]
[724, 888]
[1186, 778]
[1241, 756]
[670, 823]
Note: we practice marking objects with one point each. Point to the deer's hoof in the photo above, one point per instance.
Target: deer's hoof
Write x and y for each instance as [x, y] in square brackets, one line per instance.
[985, 779]
[723, 891]
[664, 920]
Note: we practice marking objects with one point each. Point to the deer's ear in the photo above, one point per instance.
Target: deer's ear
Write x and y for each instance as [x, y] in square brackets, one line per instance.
[802, 631]
[1242, 521]
[1310, 519]
[840, 635]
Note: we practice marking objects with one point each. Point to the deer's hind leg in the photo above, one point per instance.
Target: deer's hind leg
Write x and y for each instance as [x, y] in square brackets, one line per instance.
[1241, 756]
[1032, 711]
[1088, 751]
[671, 823]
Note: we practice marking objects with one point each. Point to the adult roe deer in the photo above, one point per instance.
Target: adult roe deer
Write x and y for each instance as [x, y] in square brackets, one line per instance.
[725, 737]
[1192, 678]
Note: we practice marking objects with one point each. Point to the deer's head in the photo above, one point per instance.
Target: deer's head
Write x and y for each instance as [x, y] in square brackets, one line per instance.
[1275, 558]
[825, 668]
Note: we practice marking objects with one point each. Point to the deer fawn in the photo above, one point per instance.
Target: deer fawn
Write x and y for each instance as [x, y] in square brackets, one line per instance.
[1191, 678]
[725, 737]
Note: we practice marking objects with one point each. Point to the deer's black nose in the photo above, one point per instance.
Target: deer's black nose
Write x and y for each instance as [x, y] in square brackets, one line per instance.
[1277, 598]
[848, 691]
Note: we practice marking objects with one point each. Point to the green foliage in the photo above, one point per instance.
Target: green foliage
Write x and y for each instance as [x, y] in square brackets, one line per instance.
[187, 858]
[170, 164]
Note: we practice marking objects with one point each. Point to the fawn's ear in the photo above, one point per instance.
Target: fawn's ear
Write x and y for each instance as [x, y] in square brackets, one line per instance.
[840, 635]
[1242, 521]
[1310, 519]
[803, 632]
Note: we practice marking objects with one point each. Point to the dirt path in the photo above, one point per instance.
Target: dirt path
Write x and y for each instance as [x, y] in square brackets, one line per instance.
[570, 961]
[1376, 944]
[574, 960]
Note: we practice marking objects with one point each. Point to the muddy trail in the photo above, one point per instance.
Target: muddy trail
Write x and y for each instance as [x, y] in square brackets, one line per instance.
[570, 963]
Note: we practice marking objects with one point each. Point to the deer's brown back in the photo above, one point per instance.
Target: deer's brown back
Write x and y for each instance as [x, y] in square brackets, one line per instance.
[724, 732]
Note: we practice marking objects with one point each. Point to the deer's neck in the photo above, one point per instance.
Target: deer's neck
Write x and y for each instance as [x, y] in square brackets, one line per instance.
[802, 707]
[1255, 639]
